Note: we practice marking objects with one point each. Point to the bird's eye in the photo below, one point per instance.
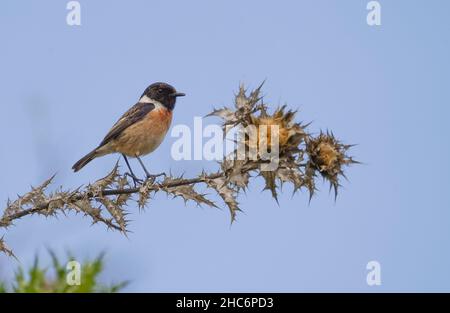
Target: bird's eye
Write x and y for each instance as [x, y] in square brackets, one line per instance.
[160, 91]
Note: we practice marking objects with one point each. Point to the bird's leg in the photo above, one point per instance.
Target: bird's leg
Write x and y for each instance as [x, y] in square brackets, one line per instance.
[149, 176]
[136, 180]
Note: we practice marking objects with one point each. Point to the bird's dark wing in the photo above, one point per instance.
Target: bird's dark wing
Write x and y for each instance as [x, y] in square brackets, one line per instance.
[133, 115]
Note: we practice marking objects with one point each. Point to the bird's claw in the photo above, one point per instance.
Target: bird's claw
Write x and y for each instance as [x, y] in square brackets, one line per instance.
[152, 177]
[136, 181]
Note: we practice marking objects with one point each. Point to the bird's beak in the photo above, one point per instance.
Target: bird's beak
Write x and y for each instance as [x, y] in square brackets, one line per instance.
[177, 94]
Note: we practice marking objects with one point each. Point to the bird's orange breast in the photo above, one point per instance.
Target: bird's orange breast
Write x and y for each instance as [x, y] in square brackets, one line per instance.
[146, 135]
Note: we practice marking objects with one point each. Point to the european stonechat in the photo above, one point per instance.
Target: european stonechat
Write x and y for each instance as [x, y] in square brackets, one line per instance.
[140, 130]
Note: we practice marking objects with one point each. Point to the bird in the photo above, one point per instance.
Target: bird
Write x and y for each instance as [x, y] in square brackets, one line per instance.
[140, 130]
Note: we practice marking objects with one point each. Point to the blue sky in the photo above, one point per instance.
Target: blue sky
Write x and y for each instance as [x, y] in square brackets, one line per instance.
[384, 88]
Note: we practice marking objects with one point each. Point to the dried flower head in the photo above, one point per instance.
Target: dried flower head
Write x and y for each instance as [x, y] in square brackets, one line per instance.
[328, 156]
[289, 134]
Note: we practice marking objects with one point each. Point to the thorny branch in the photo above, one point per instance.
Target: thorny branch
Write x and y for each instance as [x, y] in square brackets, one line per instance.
[300, 159]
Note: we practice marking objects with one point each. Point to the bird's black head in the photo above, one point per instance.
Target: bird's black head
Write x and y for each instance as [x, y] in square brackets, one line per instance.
[163, 93]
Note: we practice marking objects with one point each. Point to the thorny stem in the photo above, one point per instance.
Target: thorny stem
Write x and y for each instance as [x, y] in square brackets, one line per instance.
[182, 182]
[89, 195]
[44, 206]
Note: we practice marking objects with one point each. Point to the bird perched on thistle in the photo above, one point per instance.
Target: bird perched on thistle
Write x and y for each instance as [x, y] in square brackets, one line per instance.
[140, 130]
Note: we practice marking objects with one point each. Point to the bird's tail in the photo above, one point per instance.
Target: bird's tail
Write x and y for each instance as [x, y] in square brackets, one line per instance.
[85, 160]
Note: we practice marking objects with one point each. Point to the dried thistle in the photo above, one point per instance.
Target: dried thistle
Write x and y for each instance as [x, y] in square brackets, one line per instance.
[290, 134]
[250, 112]
[300, 158]
[4, 248]
[328, 156]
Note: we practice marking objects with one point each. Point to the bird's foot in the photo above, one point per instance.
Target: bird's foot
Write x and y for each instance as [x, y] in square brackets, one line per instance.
[152, 177]
[136, 181]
